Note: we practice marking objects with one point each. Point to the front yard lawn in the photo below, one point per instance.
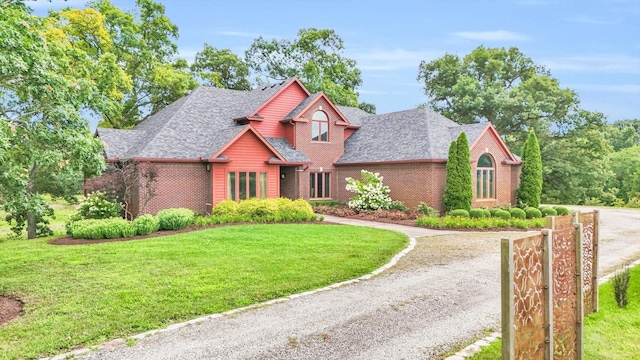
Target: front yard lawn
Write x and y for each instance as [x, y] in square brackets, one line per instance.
[86, 294]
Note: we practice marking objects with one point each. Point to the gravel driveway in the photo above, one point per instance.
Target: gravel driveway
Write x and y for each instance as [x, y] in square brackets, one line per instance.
[443, 293]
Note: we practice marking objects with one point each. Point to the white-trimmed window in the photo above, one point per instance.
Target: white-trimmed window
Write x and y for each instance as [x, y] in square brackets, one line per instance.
[243, 185]
[485, 178]
[319, 126]
[319, 185]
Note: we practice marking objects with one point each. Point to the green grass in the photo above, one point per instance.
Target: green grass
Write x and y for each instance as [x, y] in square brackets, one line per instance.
[84, 295]
[62, 211]
[612, 333]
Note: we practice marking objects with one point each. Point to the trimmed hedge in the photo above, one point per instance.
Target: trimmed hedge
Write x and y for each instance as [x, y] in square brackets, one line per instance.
[479, 213]
[175, 219]
[453, 222]
[547, 211]
[101, 228]
[459, 213]
[518, 213]
[533, 213]
[502, 214]
[226, 208]
[561, 210]
[146, 224]
[259, 210]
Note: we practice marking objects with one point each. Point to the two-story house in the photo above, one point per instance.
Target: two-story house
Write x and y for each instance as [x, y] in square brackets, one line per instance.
[280, 140]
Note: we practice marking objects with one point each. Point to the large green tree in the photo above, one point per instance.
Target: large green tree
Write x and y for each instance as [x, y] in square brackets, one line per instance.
[530, 189]
[499, 85]
[221, 68]
[458, 191]
[623, 134]
[144, 46]
[45, 85]
[315, 57]
[625, 164]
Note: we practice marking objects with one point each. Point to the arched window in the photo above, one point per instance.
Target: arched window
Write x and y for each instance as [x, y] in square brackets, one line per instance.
[485, 178]
[319, 126]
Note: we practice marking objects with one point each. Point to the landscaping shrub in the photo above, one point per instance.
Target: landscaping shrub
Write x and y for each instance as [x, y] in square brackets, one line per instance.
[479, 213]
[99, 206]
[101, 228]
[458, 191]
[430, 222]
[146, 224]
[494, 210]
[502, 214]
[302, 210]
[175, 219]
[225, 208]
[547, 211]
[371, 194]
[454, 222]
[459, 213]
[315, 203]
[398, 206]
[620, 286]
[427, 210]
[532, 213]
[518, 213]
[561, 210]
[258, 210]
[530, 188]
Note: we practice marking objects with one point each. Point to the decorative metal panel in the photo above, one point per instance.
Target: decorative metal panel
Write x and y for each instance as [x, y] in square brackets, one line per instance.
[528, 298]
[562, 222]
[564, 293]
[589, 255]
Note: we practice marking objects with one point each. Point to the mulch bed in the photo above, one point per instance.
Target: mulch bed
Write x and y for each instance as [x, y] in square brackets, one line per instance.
[10, 308]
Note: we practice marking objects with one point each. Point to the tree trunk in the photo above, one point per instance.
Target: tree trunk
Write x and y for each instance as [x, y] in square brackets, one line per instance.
[31, 226]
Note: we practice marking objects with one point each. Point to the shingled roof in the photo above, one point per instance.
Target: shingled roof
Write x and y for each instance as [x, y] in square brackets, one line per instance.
[196, 126]
[415, 134]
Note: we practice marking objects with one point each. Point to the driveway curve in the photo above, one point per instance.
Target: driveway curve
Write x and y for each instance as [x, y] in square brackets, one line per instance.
[443, 293]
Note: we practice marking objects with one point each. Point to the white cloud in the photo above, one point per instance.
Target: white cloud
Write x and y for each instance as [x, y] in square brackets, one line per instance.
[623, 64]
[390, 60]
[499, 35]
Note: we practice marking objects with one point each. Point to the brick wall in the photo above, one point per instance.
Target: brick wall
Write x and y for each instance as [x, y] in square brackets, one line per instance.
[410, 183]
[505, 183]
[181, 185]
[321, 154]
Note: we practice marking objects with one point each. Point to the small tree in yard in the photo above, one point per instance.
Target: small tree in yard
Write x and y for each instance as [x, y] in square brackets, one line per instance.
[458, 191]
[530, 189]
[371, 194]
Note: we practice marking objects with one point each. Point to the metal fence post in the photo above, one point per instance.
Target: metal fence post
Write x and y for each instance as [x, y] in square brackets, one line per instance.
[547, 271]
[508, 349]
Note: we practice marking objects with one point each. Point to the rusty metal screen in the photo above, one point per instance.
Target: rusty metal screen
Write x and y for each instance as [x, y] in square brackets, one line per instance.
[562, 222]
[528, 298]
[589, 258]
[565, 290]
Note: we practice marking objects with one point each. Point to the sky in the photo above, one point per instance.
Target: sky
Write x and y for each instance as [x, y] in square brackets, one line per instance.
[590, 46]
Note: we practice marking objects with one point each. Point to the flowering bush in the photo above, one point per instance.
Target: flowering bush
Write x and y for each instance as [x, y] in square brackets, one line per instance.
[370, 193]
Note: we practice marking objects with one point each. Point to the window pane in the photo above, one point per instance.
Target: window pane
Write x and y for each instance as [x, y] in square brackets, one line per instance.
[263, 185]
[324, 133]
[231, 186]
[315, 130]
[484, 183]
[319, 115]
[479, 183]
[327, 181]
[491, 184]
[312, 185]
[252, 185]
[242, 186]
[485, 161]
[319, 192]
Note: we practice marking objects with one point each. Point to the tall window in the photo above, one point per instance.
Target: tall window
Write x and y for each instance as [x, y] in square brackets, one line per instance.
[485, 178]
[319, 185]
[319, 126]
[246, 184]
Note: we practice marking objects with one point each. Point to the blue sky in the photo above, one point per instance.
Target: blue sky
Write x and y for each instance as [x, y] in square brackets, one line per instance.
[590, 46]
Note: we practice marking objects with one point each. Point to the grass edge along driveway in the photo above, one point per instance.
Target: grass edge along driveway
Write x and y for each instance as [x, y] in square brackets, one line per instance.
[84, 295]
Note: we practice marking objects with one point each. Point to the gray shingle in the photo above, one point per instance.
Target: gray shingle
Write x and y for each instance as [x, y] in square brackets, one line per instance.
[298, 109]
[117, 142]
[285, 149]
[415, 134]
[353, 114]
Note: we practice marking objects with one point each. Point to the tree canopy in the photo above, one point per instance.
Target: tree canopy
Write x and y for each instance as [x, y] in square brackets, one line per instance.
[315, 57]
[499, 85]
[221, 68]
[45, 84]
[458, 191]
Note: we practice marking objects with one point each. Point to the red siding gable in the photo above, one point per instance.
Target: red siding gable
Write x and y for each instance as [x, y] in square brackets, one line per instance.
[276, 109]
